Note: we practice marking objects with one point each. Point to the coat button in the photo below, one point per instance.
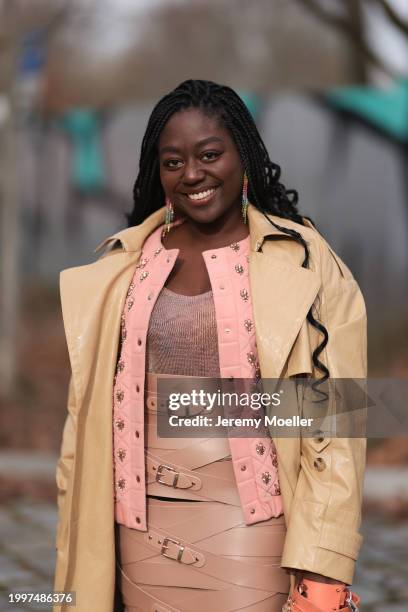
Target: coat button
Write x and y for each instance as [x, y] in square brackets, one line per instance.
[137, 434]
[138, 519]
[243, 468]
[318, 435]
[137, 478]
[252, 510]
[139, 341]
[213, 256]
[319, 464]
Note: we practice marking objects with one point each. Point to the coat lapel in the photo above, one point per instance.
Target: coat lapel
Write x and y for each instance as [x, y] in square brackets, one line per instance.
[282, 297]
[282, 291]
[92, 299]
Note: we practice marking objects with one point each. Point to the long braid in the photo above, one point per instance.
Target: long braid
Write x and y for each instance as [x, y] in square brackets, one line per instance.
[265, 191]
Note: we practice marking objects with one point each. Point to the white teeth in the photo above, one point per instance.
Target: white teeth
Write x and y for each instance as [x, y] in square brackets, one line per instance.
[201, 195]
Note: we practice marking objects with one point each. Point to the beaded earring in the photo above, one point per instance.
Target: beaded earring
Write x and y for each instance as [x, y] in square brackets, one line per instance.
[169, 217]
[245, 197]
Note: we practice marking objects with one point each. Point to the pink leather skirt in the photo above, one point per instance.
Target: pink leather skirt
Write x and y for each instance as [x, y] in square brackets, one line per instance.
[197, 553]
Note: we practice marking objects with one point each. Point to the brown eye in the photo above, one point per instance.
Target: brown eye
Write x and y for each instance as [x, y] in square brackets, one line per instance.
[172, 163]
[210, 155]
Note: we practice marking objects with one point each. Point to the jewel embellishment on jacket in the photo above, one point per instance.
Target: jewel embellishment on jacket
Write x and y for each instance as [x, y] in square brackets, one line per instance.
[260, 448]
[142, 263]
[121, 454]
[266, 477]
[251, 358]
[248, 325]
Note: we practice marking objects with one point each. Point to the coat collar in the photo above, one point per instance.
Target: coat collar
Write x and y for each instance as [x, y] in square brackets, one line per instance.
[132, 238]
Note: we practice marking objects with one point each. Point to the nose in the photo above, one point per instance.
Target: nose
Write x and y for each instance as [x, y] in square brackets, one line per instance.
[193, 172]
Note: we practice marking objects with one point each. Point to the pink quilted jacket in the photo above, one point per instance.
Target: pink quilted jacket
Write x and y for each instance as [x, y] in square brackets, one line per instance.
[257, 482]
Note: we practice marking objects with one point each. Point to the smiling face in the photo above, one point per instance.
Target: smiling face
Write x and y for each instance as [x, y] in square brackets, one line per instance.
[200, 167]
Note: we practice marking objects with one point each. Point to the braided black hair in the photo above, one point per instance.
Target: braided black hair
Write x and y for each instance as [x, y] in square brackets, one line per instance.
[265, 191]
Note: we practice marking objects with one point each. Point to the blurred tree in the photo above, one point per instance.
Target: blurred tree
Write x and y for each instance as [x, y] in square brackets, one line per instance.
[9, 223]
[348, 20]
[16, 16]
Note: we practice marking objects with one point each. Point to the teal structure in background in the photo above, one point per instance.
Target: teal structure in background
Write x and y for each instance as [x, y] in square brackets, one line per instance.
[385, 109]
[252, 102]
[82, 126]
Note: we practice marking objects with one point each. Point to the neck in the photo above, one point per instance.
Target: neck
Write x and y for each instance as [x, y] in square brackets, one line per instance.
[227, 228]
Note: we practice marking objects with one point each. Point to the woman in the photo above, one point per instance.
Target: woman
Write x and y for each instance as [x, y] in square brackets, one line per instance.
[218, 275]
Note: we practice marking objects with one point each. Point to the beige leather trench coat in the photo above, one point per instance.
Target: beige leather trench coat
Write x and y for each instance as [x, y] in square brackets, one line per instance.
[322, 506]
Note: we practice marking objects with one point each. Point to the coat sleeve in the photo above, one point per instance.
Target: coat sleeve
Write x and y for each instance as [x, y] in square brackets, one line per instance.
[66, 459]
[323, 528]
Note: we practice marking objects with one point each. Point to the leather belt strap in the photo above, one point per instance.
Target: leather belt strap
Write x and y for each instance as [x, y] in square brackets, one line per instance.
[197, 534]
[180, 477]
[233, 599]
[209, 527]
[196, 453]
[231, 571]
[153, 441]
[133, 594]
[203, 524]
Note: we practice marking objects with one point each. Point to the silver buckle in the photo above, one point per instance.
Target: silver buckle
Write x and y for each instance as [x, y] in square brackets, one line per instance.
[165, 547]
[159, 474]
[350, 603]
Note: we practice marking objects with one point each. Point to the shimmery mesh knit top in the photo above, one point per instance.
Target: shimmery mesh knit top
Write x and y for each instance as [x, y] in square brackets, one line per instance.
[182, 335]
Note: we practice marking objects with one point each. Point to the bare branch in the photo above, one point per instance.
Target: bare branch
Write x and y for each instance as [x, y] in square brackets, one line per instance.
[347, 27]
[393, 16]
[334, 20]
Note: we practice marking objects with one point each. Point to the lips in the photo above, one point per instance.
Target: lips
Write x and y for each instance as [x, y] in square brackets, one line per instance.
[201, 197]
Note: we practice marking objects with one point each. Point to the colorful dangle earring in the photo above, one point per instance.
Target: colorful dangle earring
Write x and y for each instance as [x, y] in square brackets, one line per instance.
[245, 198]
[169, 217]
